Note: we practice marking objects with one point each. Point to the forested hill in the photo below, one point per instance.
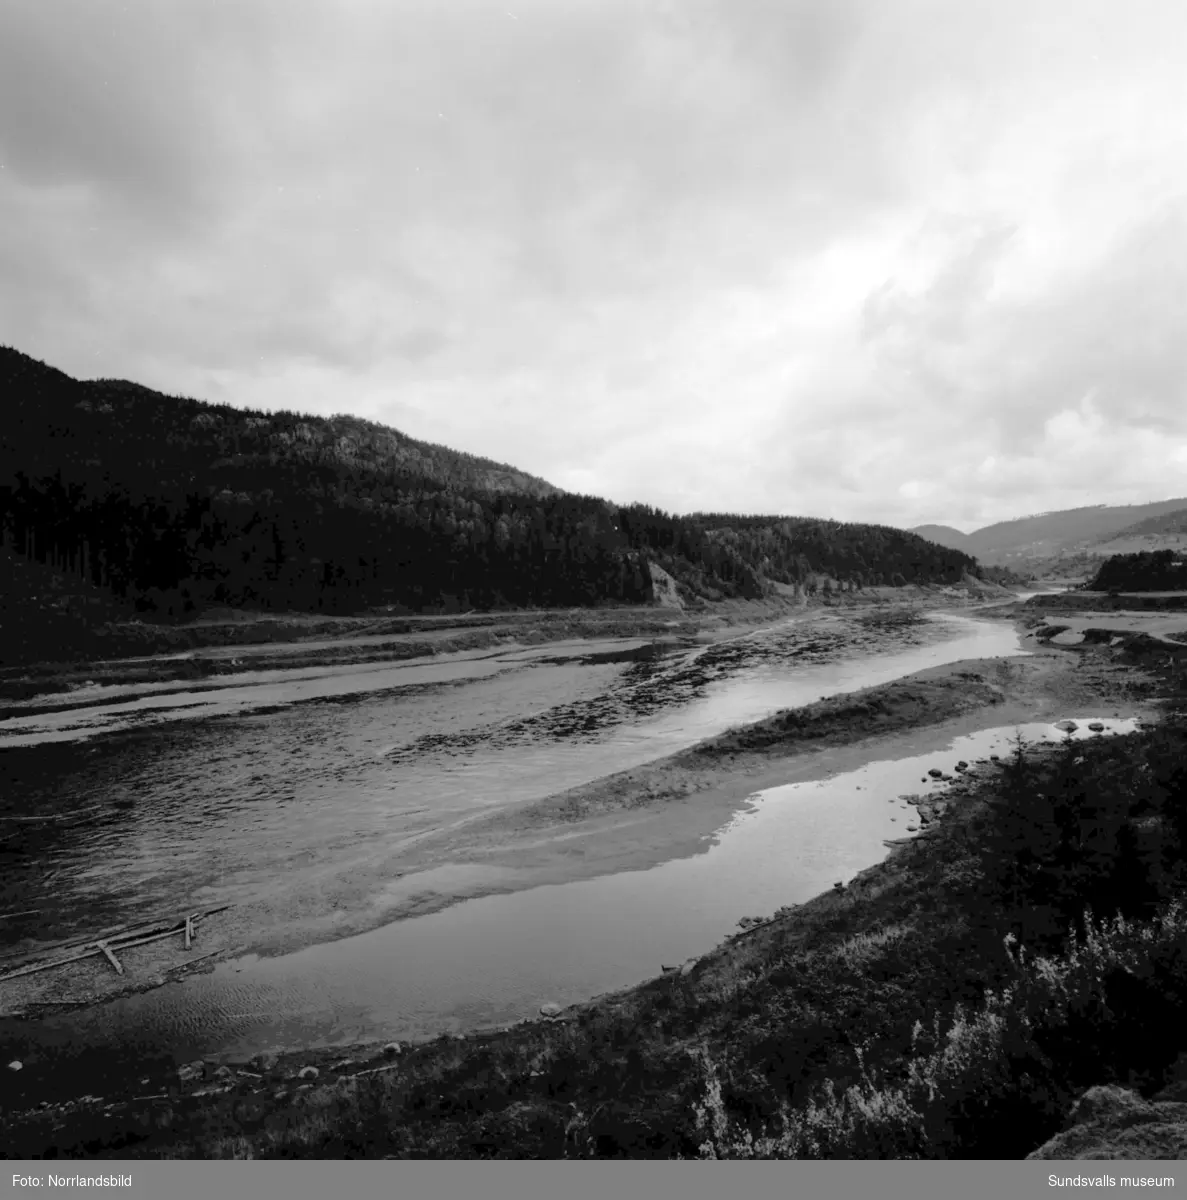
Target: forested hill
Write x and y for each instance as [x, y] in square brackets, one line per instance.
[172, 505]
[1147, 571]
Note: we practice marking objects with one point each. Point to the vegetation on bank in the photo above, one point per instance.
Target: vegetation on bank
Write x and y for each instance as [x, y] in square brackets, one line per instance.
[1146, 571]
[951, 1002]
[166, 506]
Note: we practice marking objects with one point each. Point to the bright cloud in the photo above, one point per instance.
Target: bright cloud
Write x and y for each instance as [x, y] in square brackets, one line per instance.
[906, 261]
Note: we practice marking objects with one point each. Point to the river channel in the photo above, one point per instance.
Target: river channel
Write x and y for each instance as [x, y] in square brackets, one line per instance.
[122, 806]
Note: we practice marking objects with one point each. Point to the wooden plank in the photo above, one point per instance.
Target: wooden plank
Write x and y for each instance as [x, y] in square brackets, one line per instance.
[156, 937]
[118, 937]
[189, 962]
[57, 962]
[111, 958]
[112, 933]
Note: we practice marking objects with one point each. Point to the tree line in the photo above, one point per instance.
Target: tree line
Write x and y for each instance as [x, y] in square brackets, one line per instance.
[173, 505]
[1146, 571]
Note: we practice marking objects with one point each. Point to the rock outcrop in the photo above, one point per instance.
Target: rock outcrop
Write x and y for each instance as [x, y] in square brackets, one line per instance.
[663, 588]
[1114, 1122]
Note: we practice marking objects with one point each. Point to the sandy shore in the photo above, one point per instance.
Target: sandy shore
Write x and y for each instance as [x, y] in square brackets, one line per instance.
[669, 808]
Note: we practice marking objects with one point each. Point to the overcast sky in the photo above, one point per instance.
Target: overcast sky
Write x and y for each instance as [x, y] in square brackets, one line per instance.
[893, 260]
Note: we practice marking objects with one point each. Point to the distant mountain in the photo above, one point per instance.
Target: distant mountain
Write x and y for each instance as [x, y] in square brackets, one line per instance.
[943, 535]
[1047, 535]
[168, 505]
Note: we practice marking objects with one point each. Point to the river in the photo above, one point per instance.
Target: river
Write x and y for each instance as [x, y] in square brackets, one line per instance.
[114, 811]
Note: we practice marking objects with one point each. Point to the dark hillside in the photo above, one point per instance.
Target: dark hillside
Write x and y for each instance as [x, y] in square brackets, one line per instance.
[169, 506]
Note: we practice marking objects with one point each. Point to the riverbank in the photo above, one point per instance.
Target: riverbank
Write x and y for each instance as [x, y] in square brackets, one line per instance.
[637, 817]
[687, 1062]
[667, 809]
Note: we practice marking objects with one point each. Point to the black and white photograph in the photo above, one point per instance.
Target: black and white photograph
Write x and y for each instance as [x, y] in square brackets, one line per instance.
[594, 580]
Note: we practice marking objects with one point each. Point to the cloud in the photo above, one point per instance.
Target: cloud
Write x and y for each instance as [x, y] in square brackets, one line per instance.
[905, 262]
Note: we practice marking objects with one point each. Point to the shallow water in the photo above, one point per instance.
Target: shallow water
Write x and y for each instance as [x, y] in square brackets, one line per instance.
[300, 777]
[494, 960]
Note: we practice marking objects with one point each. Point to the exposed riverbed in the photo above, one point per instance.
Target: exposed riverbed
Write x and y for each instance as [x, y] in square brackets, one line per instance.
[493, 960]
[305, 797]
[311, 799]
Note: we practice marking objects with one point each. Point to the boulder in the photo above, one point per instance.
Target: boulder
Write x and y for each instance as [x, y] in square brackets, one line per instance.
[936, 773]
[16, 1065]
[223, 1073]
[1066, 726]
[550, 1010]
[391, 1049]
[1096, 726]
[962, 765]
[308, 1073]
[190, 1072]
